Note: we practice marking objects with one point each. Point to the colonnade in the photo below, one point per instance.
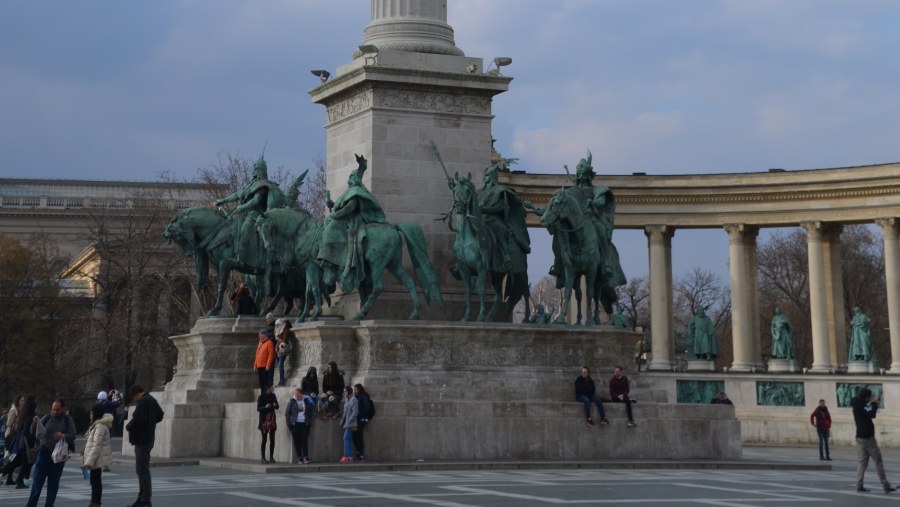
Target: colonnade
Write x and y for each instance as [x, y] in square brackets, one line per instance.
[828, 328]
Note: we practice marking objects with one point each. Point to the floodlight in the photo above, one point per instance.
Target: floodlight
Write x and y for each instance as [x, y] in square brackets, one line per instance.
[323, 75]
[500, 61]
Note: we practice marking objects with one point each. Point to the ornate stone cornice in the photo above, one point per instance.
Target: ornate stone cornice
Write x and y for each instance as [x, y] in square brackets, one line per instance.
[433, 101]
[350, 105]
[783, 199]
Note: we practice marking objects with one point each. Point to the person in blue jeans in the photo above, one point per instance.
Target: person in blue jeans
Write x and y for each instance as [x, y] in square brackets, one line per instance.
[585, 392]
[50, 430]
[349, 423]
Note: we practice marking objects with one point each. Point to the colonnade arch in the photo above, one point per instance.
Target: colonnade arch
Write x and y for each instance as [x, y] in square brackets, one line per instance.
[821, 201]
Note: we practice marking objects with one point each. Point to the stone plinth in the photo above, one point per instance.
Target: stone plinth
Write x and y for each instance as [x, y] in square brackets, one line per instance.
[861, 367]
[442, 391]
[783, 366]
[701, 365]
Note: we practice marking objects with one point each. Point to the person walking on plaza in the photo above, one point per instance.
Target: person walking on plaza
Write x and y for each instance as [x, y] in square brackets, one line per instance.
[618, 393]
[298, 417]
[13, 437]
[98, 450]
[265, 359]
[266, 405]
[52, 429]
[28, 443]
[865, 407]
[821, 419]
[142, 435]
[349, 422]
[586, 392]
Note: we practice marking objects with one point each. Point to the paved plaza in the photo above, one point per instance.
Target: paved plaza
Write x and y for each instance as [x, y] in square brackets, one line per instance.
[765, 480]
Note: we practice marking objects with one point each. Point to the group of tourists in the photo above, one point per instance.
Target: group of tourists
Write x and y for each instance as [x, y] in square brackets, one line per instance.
[351, 406]
[39, 445]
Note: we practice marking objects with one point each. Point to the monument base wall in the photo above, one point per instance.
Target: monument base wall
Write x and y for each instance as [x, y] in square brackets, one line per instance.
[443, 391]
[790, 425]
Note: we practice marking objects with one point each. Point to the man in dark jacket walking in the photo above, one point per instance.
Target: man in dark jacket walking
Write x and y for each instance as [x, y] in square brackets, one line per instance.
[585, 392]
[865, 406]
[142, 435]
[821, 419]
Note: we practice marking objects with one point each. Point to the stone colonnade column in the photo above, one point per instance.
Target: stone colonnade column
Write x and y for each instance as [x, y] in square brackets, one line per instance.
[744, 306]
[834, 294]
[659, 239]
[753, 280]
[892, 277]
[817, 302]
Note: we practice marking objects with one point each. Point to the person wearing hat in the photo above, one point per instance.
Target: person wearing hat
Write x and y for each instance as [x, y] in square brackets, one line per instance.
[282, 346]
[142, 435]
[265, 359]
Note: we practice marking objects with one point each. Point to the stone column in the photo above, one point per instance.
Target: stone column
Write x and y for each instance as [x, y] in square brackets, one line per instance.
[892, 277]
[742, 299]
[753, 280]
[410, 25]
[659, 239]
[817, 302]
[834, 295]
[410, 88]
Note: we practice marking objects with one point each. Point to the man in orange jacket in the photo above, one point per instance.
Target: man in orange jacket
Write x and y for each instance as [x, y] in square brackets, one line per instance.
[265, 358]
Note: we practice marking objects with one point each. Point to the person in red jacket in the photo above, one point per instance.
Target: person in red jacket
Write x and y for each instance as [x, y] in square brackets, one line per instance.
[265, 359]
[821, 419]
[618, 393]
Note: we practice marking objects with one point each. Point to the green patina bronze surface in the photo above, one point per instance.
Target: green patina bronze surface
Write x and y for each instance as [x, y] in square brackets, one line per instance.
[860, 338]
[780, 394]
[697, 391]
[619, 319]
[358, 246]
[782, 336]
[845, 391]
[491, 241]
[700, 336]
[581, 219]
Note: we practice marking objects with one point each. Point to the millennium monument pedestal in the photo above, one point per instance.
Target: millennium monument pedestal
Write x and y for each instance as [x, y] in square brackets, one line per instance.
[443, 391]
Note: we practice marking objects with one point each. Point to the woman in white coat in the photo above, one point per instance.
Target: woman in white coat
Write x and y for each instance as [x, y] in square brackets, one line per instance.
[97, 451]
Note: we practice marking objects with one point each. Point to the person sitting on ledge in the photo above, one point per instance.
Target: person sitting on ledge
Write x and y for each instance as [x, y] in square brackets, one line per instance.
[721, 399]
[618, 393]
[585, 392]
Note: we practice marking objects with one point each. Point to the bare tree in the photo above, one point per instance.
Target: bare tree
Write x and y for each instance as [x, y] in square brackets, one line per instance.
[784, 283]
[635, 298]
[35, 320]
[701, 288]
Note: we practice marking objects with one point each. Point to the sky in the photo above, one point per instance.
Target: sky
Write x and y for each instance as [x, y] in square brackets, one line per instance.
[106, 89]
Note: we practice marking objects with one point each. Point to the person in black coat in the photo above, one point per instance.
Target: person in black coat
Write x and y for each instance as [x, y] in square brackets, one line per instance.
[865, 407]
[585, 392]
[266, 405]
[142, 435]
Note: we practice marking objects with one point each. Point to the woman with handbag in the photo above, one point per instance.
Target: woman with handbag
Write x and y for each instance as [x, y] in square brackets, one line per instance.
[13, 437]
[266, 405]
[97, 451]
[23, 444]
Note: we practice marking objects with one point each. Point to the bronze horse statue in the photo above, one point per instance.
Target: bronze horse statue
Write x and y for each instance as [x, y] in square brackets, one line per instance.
[209, 236]
[473, 250]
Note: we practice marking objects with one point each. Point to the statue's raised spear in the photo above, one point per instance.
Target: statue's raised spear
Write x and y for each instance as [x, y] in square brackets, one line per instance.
[437, 155]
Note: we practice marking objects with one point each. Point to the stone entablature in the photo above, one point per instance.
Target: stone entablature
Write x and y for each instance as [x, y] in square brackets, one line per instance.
[767, 199]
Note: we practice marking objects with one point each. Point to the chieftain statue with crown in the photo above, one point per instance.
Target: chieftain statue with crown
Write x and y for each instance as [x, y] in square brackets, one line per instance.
[259, 196]
[353, 209]
[599, 203]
